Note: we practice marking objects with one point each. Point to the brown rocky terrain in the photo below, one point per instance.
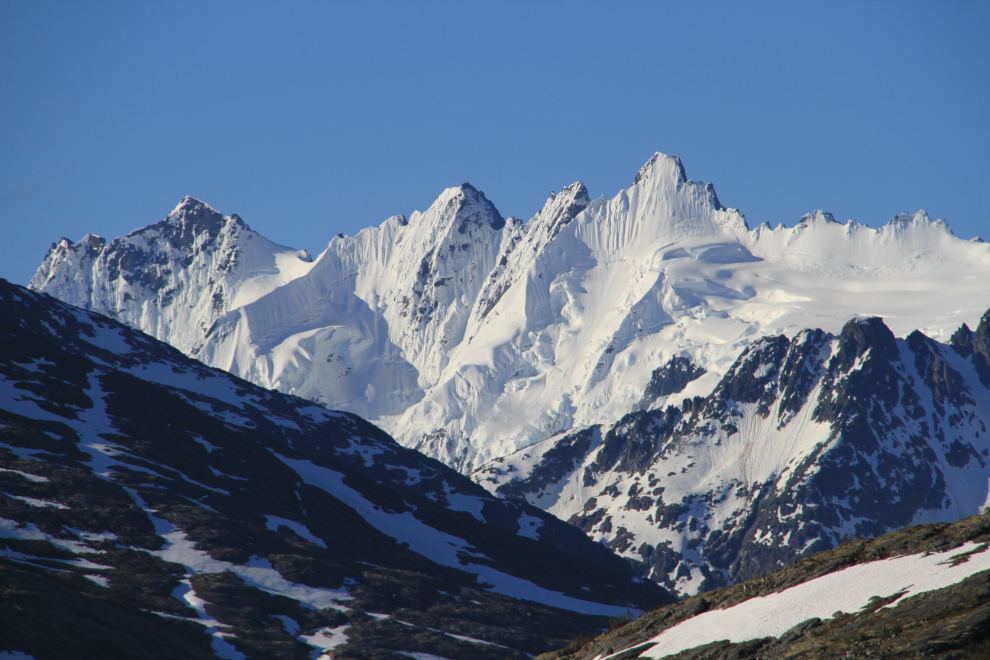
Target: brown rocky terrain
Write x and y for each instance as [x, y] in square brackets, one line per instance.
[951, 623]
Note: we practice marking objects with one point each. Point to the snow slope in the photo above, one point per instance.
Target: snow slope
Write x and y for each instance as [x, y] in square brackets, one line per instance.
[469, 336]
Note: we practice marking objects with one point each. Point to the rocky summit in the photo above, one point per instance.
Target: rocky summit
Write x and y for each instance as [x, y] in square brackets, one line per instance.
[153, 507]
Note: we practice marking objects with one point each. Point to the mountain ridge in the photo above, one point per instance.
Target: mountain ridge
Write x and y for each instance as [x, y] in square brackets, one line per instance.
[472, 345]
[801, 442]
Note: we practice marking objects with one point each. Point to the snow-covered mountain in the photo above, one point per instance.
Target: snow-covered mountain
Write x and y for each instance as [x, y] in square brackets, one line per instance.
[803, 442]
[173, 279]
[469, 336]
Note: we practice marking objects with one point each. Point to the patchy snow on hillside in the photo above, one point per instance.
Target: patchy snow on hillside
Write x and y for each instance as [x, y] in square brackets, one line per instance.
[848, 590]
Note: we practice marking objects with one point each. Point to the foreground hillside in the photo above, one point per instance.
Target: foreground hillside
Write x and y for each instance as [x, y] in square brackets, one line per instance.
[152, 507]
[470, 336]
[921, 592]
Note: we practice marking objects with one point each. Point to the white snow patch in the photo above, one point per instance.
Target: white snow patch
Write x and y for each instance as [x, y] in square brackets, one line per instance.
[221, 646]
[36, 502]
[467, 503]
[27, 475]
[291, 625]
[181, 550]
[10, 529]
[529, 526]
[465, 638]
[101, 580]
[274, 522]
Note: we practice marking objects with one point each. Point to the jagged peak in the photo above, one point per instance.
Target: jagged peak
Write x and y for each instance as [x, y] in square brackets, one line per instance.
[574, 194]
[817, 216]
[88, 243]
[576, 191]
[907, 218]
[189, 204]
[472, 207]
[561, 208]
[191, 216]
[661, 166]
[866, 333]
[962, 340]
[663, 171]
[93, 240]
[920, 219]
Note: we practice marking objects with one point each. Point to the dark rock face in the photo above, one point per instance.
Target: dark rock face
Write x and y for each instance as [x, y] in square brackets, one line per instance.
[564, 458]
[946, 623]
[962, 341]
[172, 244]
[486, 212]
[577, 200]
[803, 442]
[981, 349]
[116, 451]
[671, 378]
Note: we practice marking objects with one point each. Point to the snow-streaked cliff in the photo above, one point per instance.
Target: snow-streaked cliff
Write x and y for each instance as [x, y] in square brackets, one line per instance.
[802, 442]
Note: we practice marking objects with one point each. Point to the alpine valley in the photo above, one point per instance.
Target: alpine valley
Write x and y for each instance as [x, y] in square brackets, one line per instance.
[709, 401]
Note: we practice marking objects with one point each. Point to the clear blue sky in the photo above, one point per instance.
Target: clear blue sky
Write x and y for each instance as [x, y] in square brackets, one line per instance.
[309, 119]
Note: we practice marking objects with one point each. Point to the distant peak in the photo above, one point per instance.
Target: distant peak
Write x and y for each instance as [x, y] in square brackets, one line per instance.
[473, 198]
[921, 217]
[576, 191]
[663, 166]
[817, 216]
[189, 203]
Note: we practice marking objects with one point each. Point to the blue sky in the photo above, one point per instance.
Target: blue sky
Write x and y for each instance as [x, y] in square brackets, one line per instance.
[309, 119]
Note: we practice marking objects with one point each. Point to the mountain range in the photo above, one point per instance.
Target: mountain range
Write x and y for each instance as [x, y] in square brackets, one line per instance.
[469, 336]
[707, 400]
